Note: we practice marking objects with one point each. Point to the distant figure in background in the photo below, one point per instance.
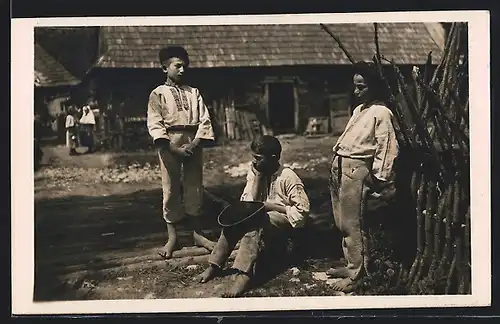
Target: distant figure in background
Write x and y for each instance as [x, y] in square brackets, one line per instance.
[87, 123]
[71, 131]
[362, 169]
[59, 126]
[179, 123]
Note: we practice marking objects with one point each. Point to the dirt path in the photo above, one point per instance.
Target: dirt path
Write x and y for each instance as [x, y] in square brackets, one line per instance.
[77, 231]
[97, 237]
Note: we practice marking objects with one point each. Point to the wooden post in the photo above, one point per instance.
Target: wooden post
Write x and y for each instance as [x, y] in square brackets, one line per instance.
[229, 119]
[296, 107]
[216, 117]
[265, 107]
[102, 121]
[266, 100]
[120, 124]
[121, 127]
[223, 119]
[109, 110]
[236, 125]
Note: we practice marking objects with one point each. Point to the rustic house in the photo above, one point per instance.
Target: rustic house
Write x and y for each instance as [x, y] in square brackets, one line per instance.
[53, 87]
[53, 83]
[253, 77]
[63, 58]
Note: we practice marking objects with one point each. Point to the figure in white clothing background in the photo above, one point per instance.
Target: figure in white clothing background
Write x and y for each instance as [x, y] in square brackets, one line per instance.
[87, 123]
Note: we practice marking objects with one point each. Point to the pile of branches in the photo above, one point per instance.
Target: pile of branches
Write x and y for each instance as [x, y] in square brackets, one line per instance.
[431, 109]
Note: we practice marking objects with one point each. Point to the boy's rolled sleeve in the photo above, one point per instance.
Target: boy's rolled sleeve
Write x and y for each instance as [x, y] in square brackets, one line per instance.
[298, 211]
[205, 128]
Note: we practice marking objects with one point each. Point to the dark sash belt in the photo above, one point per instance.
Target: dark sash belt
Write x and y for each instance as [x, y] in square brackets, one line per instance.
[183, 128]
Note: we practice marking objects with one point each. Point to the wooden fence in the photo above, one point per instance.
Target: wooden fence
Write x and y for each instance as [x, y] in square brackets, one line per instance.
[433, 128]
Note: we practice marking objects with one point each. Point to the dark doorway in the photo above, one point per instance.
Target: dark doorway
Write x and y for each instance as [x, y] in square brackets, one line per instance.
[281, 108]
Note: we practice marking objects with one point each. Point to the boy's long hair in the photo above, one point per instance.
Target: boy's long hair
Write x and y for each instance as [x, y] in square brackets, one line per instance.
[376, 86]
[266, 145]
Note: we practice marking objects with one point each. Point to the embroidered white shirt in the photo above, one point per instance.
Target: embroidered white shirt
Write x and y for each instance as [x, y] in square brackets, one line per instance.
[173, 105]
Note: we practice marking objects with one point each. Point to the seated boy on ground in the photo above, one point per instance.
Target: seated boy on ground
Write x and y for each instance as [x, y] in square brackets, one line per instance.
[286, 204]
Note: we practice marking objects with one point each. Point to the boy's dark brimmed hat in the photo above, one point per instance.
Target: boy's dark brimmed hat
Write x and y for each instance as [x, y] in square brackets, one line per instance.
[242, 214]
[174, 51]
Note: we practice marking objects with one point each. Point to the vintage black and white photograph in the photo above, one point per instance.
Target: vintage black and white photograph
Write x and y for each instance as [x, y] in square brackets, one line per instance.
[217, 162]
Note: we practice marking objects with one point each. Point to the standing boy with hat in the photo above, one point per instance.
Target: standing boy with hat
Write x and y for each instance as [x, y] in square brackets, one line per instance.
[179, 123]
[286, 204]
[362, 169]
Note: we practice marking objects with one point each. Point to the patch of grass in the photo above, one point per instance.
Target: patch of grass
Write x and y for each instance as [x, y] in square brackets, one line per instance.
[286, 285]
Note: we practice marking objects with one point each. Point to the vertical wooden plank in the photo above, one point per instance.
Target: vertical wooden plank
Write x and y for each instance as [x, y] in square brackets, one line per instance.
[266, 100]
[109, 109]
[121, 130]
[248, 125]
[223, 116]
[229, 119]
[239, 125]
[244, 126]
[237, 128]
[220, 113]
[296, 110]
[265, 103]
[241, 128]
[304, 98]
[215, 110]
[216, 116]
[222, 119]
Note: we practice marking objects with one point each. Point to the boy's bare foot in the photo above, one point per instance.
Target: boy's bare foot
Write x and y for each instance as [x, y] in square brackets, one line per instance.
[202, 241]
[341, 272]
[167, 250]
[239, 287]
[345, 285]
[208, 274]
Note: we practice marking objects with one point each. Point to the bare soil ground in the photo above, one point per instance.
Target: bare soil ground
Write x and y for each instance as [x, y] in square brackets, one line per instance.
[98, 224]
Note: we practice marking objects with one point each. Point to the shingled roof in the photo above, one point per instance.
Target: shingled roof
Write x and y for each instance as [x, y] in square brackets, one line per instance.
[49, 72]
[265, 45]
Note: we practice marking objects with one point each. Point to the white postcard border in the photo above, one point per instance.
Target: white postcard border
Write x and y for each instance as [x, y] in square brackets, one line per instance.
[22, 175]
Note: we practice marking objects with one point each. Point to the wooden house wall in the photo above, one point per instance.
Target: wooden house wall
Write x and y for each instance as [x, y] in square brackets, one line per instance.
[239, 100]
[76, 48]
[251, 90]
